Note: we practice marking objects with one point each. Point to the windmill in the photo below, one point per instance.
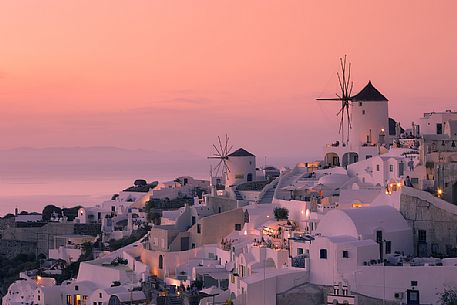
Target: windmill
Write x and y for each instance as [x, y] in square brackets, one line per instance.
[222, 151]
[346, 85]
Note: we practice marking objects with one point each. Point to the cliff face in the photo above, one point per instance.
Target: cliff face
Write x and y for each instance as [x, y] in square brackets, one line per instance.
[434, 223]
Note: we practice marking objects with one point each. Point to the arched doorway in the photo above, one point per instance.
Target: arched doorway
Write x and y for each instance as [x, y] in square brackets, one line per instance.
[160, 262]
[349, 158]
[331, 159]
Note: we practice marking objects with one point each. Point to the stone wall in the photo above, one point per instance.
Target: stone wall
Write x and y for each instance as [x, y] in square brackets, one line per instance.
[43, 236]
[92, 229]
[12, 248]
[216, 227]
[447, 178]
[437, 221]
[221, 204]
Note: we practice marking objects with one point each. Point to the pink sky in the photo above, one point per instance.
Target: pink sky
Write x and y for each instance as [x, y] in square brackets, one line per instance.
[172, 75]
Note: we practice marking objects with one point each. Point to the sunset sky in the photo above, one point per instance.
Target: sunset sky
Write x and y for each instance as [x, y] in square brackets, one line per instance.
[172, 75]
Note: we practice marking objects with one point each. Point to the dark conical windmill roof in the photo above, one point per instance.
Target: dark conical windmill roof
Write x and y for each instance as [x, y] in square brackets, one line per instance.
[369, 93]
[241, 153]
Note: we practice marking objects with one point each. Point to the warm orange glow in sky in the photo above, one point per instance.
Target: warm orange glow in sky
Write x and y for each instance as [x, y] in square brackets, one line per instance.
[90, 73]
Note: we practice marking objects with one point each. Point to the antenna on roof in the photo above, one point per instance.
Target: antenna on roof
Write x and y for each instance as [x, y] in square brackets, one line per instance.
[345, 97]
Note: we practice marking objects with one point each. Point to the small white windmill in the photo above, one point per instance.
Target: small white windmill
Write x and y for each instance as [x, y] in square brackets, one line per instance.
[221, 153]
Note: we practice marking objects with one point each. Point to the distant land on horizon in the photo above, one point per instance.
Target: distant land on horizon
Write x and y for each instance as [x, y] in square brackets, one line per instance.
[31, 178]
[108, 161]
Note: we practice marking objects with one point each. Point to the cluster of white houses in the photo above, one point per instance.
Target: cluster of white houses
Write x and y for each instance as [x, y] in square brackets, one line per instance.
[375, 220]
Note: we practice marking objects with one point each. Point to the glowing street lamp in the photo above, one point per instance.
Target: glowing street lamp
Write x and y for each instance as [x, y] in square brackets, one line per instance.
[440, 192]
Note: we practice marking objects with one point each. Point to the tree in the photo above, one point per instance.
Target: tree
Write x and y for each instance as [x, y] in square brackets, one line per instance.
[71, 213]
[281, 213]
[140, 182]
[87, 251]
[448, 297]
[49, 210]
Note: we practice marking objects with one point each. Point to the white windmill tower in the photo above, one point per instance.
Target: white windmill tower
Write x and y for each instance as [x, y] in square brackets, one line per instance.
[233, 168]
[367, 123]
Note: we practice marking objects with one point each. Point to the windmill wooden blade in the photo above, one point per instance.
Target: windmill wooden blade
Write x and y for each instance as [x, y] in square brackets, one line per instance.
[230, 150]
[220, 145]
[218, 168]
[226, 166]
[330, 99]
[218, 152]
[346, 86]
[226, 144]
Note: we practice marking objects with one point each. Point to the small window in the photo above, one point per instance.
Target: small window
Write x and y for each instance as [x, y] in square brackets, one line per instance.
[360, 104]
[238, 227]
[100, 295]
[368, 157]
[199, 229]
[323, 254]
[379, 236]
[439, 128]
[299, 251]
[388, 247]
[160, 262]
[193, 245]
[401, 169]
[377, 167]
[113, 209]
[76, 287]
[422, 236]
[391, 168]
[39, 298]
[345, 254]
[363, 111]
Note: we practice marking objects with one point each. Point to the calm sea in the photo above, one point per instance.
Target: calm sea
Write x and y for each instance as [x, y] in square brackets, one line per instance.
[33, 194]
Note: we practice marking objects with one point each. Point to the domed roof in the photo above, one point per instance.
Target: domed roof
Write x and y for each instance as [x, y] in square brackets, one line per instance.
[366, 220]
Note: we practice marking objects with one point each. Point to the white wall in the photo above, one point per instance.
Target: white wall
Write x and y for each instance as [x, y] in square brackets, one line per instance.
[240, 167]
[384, 281]
[368, 116]
[428, 122]
[297, 211]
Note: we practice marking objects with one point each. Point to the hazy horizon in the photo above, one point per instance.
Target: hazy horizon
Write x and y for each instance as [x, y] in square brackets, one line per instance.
[31, 178]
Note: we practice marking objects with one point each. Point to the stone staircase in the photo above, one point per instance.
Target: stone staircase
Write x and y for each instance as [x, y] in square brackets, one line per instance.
[268, 196]
[238, 194]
